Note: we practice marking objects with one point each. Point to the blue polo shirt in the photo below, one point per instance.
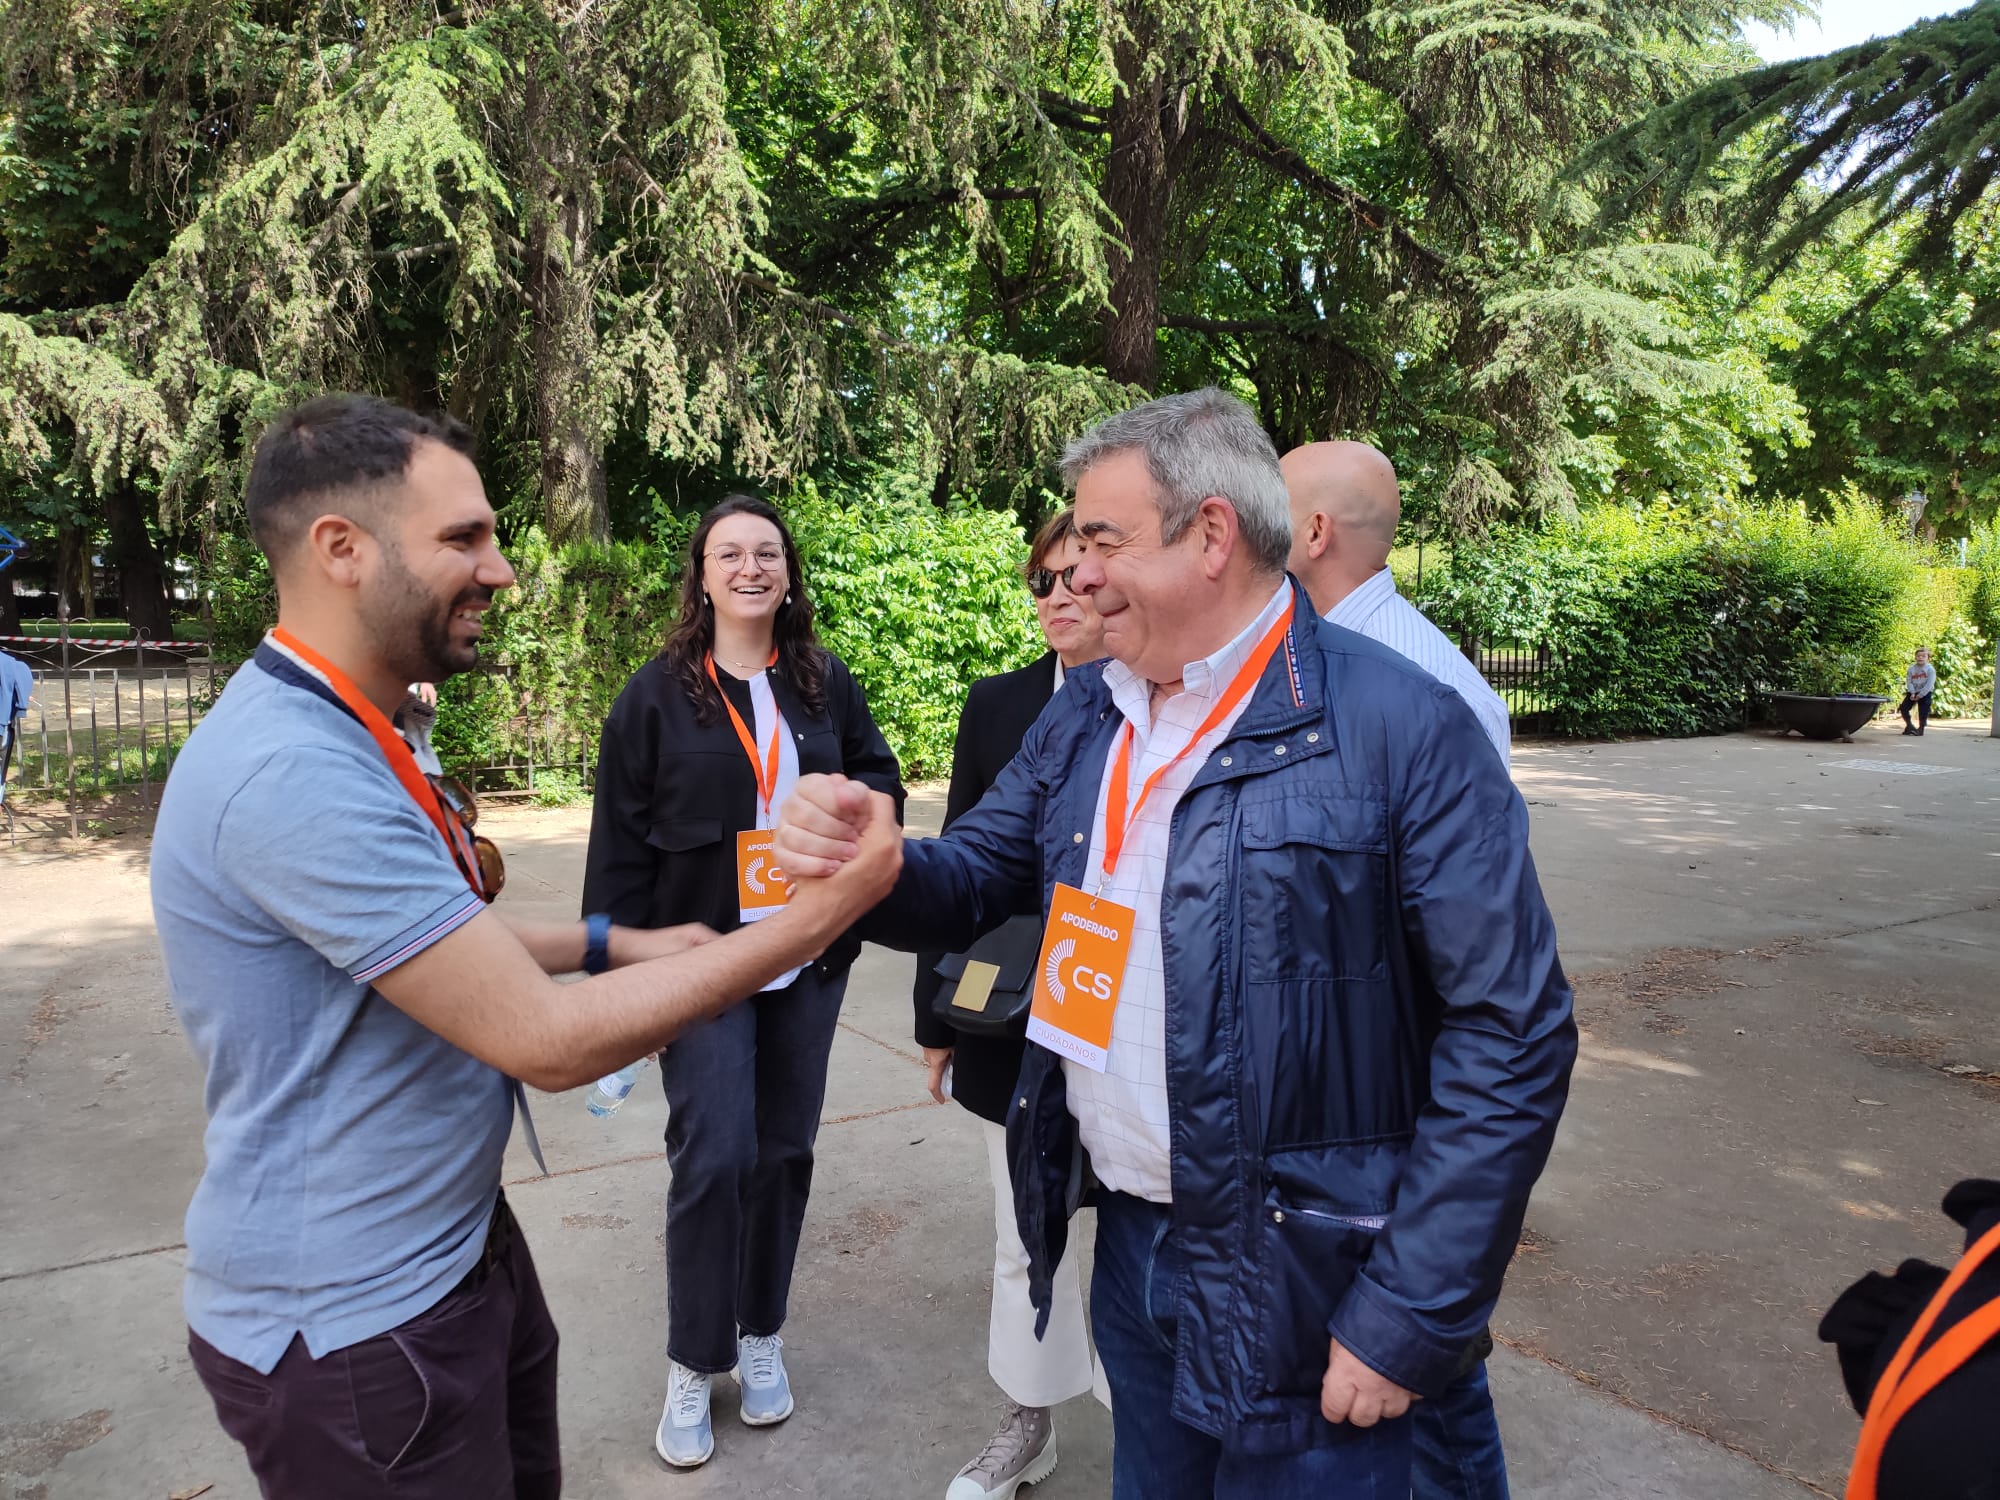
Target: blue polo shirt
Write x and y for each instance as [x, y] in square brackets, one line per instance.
[353, 1155]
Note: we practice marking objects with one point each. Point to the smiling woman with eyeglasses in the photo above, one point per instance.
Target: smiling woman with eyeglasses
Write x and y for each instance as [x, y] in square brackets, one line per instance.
[700, 749]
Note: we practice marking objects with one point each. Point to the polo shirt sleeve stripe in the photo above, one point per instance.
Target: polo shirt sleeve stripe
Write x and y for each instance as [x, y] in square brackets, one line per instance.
[441, 923]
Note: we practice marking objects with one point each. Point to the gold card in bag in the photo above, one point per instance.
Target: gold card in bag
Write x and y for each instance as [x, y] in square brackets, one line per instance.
[975, 986]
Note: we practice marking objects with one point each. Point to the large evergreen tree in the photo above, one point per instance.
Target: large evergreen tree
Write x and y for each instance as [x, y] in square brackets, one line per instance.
[660, 244]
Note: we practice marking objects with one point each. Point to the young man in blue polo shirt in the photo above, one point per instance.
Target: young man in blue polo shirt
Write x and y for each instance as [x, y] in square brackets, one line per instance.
[361, 1305]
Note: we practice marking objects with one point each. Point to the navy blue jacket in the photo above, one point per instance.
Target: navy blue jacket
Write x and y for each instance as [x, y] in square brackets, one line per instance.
[1369, 1035]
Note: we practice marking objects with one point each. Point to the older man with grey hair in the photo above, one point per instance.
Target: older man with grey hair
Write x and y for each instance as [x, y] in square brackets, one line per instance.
[1304, 1038]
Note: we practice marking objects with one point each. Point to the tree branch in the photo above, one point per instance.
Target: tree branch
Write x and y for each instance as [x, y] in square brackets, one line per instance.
[414, 252]
[1310, 331]
[1073, 114]
[1264, 147]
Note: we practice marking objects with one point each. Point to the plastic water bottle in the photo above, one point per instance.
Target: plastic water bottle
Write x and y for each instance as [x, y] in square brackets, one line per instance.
[608, 1095]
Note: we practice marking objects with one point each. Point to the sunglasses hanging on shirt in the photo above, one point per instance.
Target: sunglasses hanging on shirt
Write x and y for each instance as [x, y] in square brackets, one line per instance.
[457, 799]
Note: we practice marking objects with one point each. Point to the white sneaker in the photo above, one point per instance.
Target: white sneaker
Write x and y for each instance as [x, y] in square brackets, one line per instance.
[760, 1371]
[685, 1439]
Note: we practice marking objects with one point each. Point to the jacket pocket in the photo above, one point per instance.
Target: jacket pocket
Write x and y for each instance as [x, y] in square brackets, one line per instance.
[678, 835]
[819, 748]
[1323, 1208]
[1315, 862]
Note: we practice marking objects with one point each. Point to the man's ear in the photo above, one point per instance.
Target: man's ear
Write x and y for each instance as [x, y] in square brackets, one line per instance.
[335, 546]
[1319, 535]
[1215, 521]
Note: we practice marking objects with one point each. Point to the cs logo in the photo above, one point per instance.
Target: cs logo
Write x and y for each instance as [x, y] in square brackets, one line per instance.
[1052, 970]
[1087, 980]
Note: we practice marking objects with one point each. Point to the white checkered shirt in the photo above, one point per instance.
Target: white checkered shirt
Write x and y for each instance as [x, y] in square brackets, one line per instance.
[1122, 1112]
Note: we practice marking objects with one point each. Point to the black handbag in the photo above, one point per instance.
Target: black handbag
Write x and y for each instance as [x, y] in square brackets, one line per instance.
[988, 988]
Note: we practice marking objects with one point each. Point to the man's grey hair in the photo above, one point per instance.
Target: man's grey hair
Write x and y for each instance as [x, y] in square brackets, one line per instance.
[1196, 445]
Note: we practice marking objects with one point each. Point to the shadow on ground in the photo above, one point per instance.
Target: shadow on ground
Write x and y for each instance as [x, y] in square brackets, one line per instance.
[1782, 957]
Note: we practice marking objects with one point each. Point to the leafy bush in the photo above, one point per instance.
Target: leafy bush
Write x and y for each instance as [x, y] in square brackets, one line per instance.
[1662, 622]
[1964, 661]
[565, 638]
[243, 601]
[1981, 592]
[918, 601]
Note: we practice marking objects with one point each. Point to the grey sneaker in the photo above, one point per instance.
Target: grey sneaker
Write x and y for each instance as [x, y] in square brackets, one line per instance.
[685, 1439]
[1022, 1452]
[760, 1371]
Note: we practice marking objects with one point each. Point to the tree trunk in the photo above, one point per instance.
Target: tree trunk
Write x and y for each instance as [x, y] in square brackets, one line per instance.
[1146, 126]
[1994, 732]
[74, 594]
[142, 578]
[562, 215]
[10, 606]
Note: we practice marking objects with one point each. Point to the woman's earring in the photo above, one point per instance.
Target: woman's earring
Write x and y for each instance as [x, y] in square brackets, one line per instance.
[788, 598]
[704, 598]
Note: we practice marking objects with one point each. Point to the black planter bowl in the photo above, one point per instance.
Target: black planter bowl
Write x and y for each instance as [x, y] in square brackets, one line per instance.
[1825, 718]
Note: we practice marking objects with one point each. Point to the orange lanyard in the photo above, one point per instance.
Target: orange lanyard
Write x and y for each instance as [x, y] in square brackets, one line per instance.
[1895, 1395]
[1116, 818]
[397, 751]
[766, 771]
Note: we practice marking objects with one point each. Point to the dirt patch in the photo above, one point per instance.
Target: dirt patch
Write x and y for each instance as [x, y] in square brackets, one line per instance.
[31, 1448]
[1653, 990]
[1927, 1050]
[1674, 1277]
[1649, 990]
[45, 1021]
[594, 1221]
[862, 1232]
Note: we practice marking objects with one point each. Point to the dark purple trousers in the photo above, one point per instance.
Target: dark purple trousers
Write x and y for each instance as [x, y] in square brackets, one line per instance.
[459, 1403]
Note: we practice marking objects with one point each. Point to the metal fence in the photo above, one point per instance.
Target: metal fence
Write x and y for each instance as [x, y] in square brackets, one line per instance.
[540, 766]
[105, 716]
[111, 715]
[1520, 673]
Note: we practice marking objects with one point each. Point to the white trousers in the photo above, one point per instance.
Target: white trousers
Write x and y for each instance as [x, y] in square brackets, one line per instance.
[1033, 1372]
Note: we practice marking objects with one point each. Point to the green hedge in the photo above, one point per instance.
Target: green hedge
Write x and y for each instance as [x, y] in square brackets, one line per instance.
[918, 601]
[1671, 624]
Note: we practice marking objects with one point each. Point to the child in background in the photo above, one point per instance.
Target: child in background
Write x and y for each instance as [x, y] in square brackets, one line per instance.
[1918, 685]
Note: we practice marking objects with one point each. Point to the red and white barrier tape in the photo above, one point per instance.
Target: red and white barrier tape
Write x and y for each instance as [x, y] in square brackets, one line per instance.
[77, 640]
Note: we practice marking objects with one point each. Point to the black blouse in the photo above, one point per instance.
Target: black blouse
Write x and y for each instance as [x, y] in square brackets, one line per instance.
[998, 713]
[672, 795]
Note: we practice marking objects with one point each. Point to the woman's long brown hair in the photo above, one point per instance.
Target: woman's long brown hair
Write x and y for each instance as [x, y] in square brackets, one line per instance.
[801, 661]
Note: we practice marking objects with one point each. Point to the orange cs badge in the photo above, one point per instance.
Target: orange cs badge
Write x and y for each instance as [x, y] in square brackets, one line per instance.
[1082, 965]
[761, 887]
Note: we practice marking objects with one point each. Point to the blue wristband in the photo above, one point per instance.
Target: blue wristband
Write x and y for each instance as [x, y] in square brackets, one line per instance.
[596, 943]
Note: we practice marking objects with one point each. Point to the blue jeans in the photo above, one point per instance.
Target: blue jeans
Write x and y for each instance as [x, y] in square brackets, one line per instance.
[1458, 1443]
[1134, 1311]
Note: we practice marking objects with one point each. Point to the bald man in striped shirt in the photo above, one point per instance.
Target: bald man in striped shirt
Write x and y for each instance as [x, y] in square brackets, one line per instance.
[1345, 506]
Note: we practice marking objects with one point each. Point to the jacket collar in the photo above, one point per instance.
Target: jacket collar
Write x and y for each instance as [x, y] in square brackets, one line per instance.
[1293, 689]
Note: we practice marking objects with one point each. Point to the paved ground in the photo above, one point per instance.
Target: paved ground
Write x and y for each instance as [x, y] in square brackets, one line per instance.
[1780, 948]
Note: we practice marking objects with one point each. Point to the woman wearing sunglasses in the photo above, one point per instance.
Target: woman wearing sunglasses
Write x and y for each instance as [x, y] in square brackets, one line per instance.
[984, 1063]
[700, 750]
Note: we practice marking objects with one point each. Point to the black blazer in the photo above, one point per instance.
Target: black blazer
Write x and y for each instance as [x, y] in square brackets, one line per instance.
[998, 714]
[672, 795]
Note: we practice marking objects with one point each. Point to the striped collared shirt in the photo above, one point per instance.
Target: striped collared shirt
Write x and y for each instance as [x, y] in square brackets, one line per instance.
[1121, 1113]
[1377, 611]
